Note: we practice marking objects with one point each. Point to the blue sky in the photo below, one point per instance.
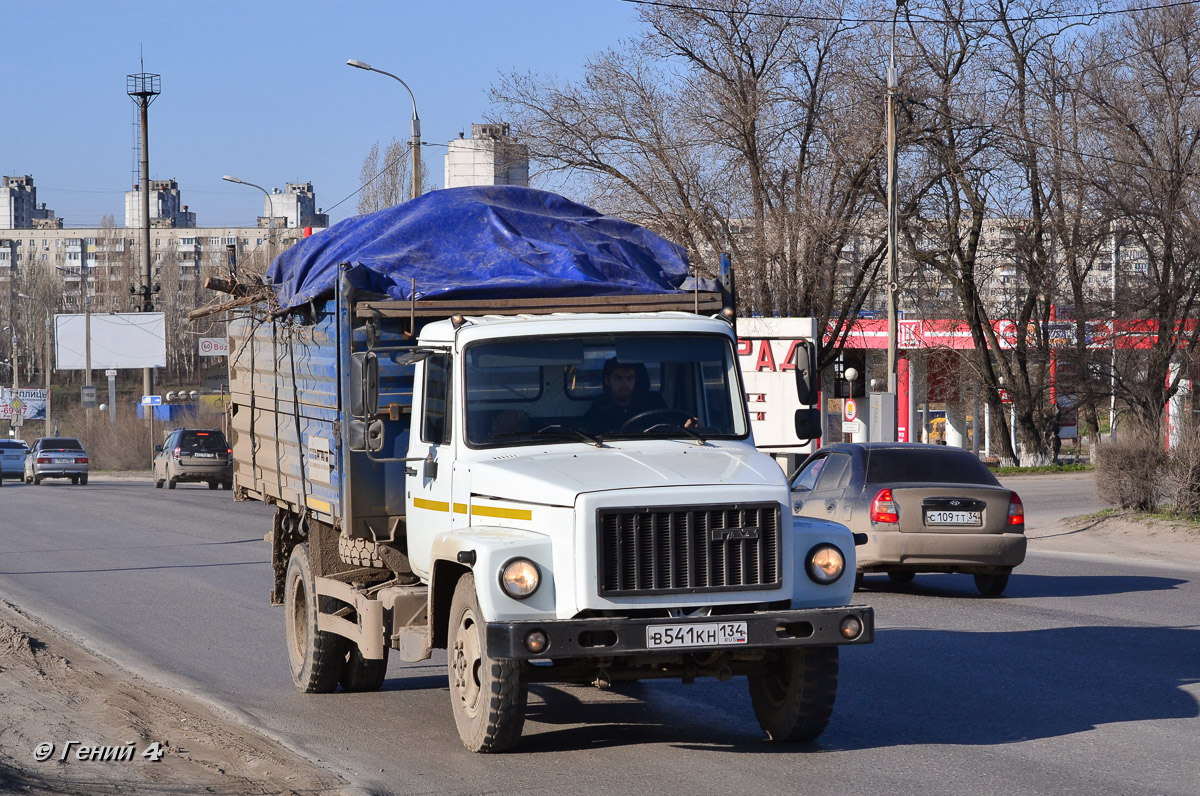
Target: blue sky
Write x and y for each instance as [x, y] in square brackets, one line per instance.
[261, 90]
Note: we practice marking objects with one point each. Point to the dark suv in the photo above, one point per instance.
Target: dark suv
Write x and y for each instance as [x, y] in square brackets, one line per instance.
[194, 454]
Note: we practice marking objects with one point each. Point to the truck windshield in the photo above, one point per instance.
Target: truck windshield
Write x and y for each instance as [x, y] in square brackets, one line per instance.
[595, 387]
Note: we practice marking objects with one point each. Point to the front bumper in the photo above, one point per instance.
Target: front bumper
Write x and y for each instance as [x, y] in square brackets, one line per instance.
[619, 636]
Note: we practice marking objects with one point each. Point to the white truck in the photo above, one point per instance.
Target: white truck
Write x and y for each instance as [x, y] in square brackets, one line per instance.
[465, 475]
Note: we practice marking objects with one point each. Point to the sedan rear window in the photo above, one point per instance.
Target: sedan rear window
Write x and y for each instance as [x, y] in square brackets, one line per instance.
[11, 444]
[945, 466]
[61, 444]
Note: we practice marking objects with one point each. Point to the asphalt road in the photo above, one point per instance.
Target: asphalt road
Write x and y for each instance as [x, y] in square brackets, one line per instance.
[1083, 679]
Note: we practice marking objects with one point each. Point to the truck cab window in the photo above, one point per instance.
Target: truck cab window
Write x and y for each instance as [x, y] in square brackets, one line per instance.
[435, 414]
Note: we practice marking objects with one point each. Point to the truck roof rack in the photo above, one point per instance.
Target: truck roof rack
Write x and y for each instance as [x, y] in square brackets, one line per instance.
[702, 302]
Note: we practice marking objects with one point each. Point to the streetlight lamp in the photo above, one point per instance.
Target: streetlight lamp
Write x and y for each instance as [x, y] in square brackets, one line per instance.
[416, 124]
[49, 337]
[270, 214]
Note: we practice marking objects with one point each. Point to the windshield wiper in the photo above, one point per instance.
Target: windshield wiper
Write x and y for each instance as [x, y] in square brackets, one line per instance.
[647, 433]
[558, 429]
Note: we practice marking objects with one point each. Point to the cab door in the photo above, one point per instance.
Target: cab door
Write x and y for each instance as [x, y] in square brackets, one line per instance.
[429, 497]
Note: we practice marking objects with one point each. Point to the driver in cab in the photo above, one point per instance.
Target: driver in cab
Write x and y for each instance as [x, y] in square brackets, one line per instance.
[626, 395]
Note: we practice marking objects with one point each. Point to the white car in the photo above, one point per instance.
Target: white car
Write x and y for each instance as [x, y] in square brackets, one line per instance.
[57, 457]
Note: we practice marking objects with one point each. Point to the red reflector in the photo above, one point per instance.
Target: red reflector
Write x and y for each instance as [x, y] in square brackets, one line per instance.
[1016, 510]
[883, 508]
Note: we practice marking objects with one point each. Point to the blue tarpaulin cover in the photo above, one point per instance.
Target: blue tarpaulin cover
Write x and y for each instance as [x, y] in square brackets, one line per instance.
[482, 242]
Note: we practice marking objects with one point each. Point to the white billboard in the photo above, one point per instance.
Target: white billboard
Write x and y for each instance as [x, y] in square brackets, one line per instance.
[119, 340]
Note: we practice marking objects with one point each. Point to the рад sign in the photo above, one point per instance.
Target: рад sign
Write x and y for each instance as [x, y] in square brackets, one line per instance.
[214, 347]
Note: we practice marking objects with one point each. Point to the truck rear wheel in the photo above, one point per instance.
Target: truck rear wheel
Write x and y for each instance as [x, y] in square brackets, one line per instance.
[359, 673]
[315, 657]
[487, 695]
[794, 692]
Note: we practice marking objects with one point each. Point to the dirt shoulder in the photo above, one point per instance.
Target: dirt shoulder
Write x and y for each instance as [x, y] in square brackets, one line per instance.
[1125, 534]
[54, 691]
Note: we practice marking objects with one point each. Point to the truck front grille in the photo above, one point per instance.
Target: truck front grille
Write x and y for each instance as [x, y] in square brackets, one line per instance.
[661, 550]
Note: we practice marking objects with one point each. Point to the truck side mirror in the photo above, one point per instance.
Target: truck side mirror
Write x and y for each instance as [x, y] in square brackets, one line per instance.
[806, 372]
[365, 436]
[364, 384]
[808, 423]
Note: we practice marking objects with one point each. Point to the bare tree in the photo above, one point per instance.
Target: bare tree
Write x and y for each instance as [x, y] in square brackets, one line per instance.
[1143, 92]
[735, 127]
[386, 181]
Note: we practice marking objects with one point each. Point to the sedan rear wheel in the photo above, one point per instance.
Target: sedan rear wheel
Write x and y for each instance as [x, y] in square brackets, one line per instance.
[37, 479]
[900, 576]
[992, 584]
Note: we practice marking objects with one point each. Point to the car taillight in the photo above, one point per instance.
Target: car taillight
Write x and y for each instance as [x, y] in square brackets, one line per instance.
[883, 508]
[81, 460]
[43, 460]
[175, 453]
[1016, 510]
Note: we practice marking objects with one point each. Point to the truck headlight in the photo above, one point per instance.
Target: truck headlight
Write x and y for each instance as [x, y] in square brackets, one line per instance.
[825, 564]
[520, 578]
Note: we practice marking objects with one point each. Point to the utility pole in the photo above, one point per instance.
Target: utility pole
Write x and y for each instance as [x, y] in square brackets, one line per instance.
[143, 88]
[893, 232]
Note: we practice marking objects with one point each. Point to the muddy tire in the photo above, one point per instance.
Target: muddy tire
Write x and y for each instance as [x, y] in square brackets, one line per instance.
[794, 693]
[360, 674]
[992, 584]
[487, 695]
[171, 483]
[158, 482]
[359, 552]
[314, 657]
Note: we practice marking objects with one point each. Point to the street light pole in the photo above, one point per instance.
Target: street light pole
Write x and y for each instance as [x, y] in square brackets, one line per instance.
[416, 124]
[49, 337]
[270, 215]
[893, 231]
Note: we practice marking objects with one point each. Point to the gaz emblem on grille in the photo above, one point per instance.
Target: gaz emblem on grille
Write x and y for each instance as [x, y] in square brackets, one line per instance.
[727, 534]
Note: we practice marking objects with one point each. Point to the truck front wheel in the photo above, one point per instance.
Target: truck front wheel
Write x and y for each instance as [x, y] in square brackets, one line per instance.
[794, 692]
[487, 695]
[315, 657]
